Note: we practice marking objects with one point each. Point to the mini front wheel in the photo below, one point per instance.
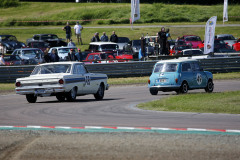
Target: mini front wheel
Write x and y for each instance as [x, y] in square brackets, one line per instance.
[209, 87]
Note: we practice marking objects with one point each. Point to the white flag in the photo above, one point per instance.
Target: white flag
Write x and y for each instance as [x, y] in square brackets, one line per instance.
[210, 35]
[135, 10]
[225, 11]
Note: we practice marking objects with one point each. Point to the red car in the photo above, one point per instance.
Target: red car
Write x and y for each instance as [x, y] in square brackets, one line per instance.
[106, 57]
[177, 50]
[236, 46]
[192, 40]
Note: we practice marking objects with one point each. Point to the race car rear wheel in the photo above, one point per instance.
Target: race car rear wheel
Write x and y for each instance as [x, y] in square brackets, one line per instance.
[60, 97]
[153, 91]
[184, 88]
[100, 93]
[71, 95]
[31, 98]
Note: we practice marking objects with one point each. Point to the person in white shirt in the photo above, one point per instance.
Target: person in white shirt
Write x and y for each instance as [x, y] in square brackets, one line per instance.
[71, 44]
[2, 62]
[77, 29]
[2, 49]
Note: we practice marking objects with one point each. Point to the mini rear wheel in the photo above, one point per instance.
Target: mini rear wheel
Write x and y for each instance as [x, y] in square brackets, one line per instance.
[184, 88]
[153, 91]
[31, 98]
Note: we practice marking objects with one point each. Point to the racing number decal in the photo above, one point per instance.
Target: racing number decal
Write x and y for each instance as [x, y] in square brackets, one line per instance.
[199, 79]
[87, 80]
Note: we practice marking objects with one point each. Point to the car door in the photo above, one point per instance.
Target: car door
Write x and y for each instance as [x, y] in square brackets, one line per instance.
[89, 83]
[187, 74]
[200, 78]
[78, 78]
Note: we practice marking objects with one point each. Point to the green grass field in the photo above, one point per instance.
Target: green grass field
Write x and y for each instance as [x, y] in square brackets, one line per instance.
[114, 13]
[225, 102]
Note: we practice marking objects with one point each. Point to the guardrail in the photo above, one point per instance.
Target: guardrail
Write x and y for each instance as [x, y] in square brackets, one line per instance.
[126, 69]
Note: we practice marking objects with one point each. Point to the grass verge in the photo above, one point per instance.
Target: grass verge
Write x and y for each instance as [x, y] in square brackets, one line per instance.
[225, 102]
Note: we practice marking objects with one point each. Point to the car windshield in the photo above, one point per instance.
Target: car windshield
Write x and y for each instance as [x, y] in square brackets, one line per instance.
[12, 58]
[109, 47]
[29, 52]
[137, 43]
[193, 52]
[37, 45]
[50, 69]
[193, 38]
[45, 37]
[123, 40]
[165, 67]
[228, 37]
[63, 50]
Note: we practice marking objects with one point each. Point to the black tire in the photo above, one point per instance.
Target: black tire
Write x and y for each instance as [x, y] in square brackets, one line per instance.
[31, 98]
[100, 93]
[153, 91]
[210, 86]
[184, 88]
[71, 95]
[60, 97]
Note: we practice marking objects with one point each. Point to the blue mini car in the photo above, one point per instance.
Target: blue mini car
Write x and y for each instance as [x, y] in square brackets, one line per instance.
[179, 75]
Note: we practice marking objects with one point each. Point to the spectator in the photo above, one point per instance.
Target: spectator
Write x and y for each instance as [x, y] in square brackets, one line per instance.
[72, 56]
[71, 44]
[104, 37]
[114, 37]
[79, 55]
[2, 49]
[54, 56]
[2, 61]
[163, 41]
[67, 28]
[78, 28]
[46, 57]
[95, 37]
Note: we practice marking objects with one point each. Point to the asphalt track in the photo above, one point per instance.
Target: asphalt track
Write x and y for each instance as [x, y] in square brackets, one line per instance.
[117, 109]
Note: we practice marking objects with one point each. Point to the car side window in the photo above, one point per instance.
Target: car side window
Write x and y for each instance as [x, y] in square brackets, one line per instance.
[79, 69]
[196, 67]
[186, 67]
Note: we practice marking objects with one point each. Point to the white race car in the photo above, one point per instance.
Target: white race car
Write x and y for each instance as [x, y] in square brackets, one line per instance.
[65, 80]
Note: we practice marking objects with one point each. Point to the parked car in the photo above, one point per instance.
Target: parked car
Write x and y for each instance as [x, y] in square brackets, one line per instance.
[177, 50]
[51, 39]
[179, 75]
[38, 44]
[191, 52]
[30, 55]
[65, 80]
[192, 40]
[103, 46]
[11, 43]
[134, 46]
[12, 60]
[227, 38]
[122, 41]
[63, 52]
[236, 46]
[100, 57]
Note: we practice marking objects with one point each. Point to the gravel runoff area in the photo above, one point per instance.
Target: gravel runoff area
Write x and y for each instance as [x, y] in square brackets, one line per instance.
[55, 145]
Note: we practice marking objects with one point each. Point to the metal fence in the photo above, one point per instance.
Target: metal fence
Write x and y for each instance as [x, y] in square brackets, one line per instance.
[126, 69]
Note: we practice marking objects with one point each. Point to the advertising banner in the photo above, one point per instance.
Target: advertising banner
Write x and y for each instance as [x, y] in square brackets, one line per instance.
[135, 10]
[225, 11]
[210, 35]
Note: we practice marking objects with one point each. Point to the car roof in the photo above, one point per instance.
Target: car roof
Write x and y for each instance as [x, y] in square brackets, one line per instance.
[28, 49]
[64, 47]
[66, 62]
[177, 61]
[222, 35]
[8, 35]
[100, 43]
[44, 34]
[190, 36]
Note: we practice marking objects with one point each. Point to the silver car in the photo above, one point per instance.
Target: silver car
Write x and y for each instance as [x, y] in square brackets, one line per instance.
[30, 55]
